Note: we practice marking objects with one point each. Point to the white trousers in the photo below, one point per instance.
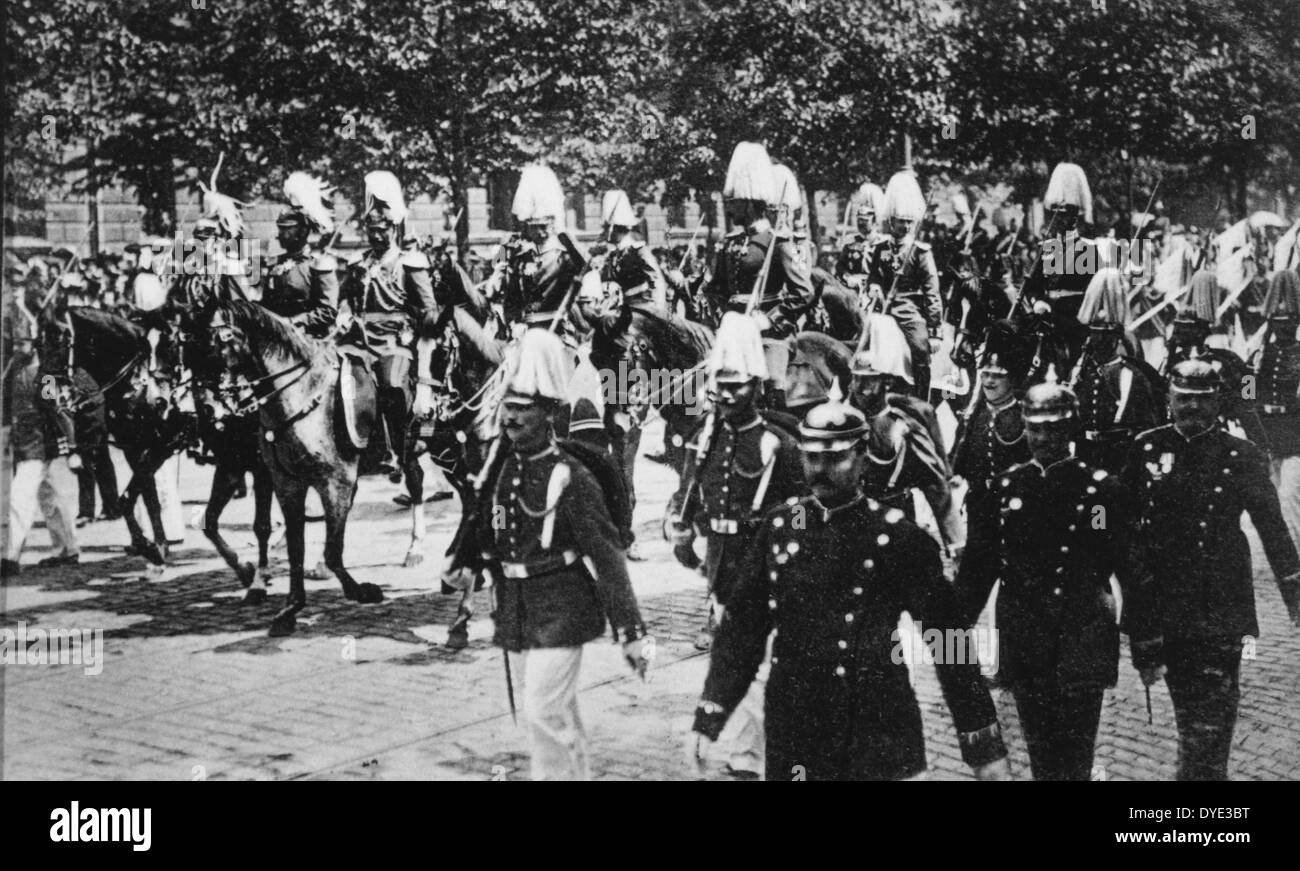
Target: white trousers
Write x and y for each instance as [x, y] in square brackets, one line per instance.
[546, 683]
[169, 501]
[52, 487]
[1286, 477]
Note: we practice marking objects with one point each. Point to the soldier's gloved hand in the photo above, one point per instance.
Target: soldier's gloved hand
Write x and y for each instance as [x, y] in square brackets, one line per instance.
[998, 769]
[677, 532]
[74, 462]
[1152, 675]
[696, 752]
[639, 653]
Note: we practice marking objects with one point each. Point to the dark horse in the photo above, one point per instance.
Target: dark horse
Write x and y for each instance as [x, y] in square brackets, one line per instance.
[295, 383]
[142, 418]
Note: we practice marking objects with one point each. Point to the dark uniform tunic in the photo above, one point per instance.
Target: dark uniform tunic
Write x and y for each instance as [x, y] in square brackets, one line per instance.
[1056, 538]
[1193, 493]
[392, 292]
[1117, 400]
[1279, 398]
[305, 289]
[992, 440]
[635, 269]
[915, 304]
[788, 293]
[536, 280]
[839, 704]
[1061, 280]
[854, 259]
[754, 459]
[902, 455]
[561, 573]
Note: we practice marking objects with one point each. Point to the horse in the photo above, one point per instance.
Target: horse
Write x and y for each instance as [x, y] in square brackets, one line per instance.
[295, 386]
[142, 413]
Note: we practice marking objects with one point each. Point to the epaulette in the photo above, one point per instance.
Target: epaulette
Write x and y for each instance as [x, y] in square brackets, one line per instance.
[768, 444]
[415, 259]
[735, 234]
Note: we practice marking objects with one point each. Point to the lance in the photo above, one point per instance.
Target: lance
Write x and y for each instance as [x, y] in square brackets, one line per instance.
[1165, 303]
[690, 246]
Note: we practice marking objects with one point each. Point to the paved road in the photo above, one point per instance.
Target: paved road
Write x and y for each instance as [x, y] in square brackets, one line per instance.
[192, 688]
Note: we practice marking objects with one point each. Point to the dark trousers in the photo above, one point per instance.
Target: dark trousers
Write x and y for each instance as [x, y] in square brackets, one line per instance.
[96, 468]
[392, 380]
[1061, 731]
[1203, 680]
[624, 447]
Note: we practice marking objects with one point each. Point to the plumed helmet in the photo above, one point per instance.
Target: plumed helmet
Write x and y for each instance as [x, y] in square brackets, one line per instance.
[384, 199]
[885, 351]
[866, 200]
[788, 196]
[1283, 297]
[1068, 189]
[311, 202]
[1106, 299]
[750, 175]
[616, 210]
[903, 198]
[831, 426]
[539, 197]
[738, 350]
[542, 370]
[1049, 401]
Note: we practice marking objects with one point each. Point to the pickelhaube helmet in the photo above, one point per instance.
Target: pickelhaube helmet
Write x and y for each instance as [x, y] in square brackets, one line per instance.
[1105, 302]
[616, 210]
[1195, 376]
[885, 352]
[1049, 401]
[866, 201]
[903, 198]
[831, 426]
[737, 351]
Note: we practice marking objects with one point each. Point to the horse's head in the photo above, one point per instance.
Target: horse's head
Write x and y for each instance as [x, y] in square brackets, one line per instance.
[228, 341]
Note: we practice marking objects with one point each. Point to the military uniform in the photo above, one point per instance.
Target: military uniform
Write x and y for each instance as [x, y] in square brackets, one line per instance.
[1054, 538]
[1117, 400]
[993, 440]
[634, 268]
[1279, 410]
[902, 455]
[915, 305]
[304, 288]
[740, 472]
[787, 295]
[853, 260]
[536, 279]
[833, 583]
[1193, 491]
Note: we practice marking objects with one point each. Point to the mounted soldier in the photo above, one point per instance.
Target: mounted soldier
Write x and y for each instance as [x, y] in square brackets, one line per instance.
[303, 285]
[626, 260]
[903, 277]
[759, 269]
[536, 269]
[1066, 261]
[854, 258]
[390, 295]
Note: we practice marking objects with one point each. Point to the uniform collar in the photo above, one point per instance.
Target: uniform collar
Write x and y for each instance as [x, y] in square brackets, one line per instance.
[745, 427]
[1068, 458]
[830, 511]
[1010, 401]
[529, 458]
[1196, 435]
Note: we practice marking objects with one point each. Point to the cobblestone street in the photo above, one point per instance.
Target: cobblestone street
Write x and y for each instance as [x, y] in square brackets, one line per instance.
[192, 687]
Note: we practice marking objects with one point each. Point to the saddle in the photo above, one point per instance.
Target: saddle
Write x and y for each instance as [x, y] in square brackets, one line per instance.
[358, 399]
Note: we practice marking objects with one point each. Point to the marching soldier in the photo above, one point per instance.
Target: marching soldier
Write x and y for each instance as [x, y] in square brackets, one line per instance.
[1195, 481]
[903, 275]
[902, 450]
[303, 286]
[390, 292]
[628, 261]
[536, 270]
[1061, 527]
[559, 572]
[832, 573]
[992, 437]
[1118, 396]
[738, 466]
[787, 294]
[1278, 378]
[1062, 274]
[854, 258]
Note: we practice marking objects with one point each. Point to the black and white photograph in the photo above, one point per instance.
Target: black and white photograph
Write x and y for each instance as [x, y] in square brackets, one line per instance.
[652, 390]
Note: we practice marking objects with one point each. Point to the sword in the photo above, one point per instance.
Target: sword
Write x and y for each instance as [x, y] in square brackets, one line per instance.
[510, 688]
[1150, 719]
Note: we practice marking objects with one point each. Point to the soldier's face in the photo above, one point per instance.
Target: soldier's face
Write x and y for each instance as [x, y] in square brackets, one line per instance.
[527, 425]
[1193, 412]
[868, 393]
[996, 386]
[833, 475]
[899, 227]
[379, 235]
[866, 221]
[1049, 442]
[537, 232]
[735, 399]
[1103, 344]
[291, 236]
